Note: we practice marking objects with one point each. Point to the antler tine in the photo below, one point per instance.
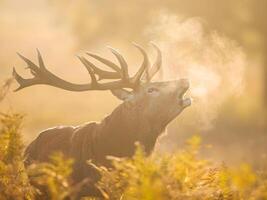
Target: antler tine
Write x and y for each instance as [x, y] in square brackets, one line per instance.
[102, 74]
[35, 71]
[123, 63]
[105, 61]
[40, 60]
[144, 67]
[33, 67]
[157, 65]
[21, 81]
[89, 69]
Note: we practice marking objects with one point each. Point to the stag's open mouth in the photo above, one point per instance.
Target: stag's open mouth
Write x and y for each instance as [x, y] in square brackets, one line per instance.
[184, 98]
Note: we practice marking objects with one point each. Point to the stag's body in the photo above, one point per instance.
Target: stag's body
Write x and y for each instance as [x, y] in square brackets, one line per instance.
[116, 135]
[142, 117]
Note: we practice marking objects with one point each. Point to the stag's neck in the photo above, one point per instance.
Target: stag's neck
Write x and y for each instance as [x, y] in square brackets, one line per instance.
[125, 126]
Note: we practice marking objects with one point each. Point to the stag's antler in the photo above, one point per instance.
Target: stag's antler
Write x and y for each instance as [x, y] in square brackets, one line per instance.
[43, 76]
[157, 65]
[149, 71]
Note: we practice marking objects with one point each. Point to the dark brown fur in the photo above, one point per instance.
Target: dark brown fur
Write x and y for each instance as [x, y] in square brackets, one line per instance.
[116, 135]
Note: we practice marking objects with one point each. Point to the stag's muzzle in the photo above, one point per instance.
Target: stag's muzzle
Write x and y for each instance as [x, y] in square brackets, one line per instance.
[183, 86]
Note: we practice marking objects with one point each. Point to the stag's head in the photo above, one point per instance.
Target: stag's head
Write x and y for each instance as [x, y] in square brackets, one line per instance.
[160, 102]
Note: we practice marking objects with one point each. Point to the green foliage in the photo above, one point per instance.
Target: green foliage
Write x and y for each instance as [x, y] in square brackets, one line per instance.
[17, 182]
[14, 182]
[182, 175]
[179, 176]
[53, 176]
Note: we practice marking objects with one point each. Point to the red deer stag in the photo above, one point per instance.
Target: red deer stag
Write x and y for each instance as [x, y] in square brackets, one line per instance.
[146, 110]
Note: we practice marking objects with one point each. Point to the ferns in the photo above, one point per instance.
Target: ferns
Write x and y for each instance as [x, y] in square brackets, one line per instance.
[53, 177]
[14, 182]
[17, 182]
[181, 176]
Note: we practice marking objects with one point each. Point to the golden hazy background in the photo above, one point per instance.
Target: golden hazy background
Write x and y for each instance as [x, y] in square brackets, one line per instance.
[220, 46]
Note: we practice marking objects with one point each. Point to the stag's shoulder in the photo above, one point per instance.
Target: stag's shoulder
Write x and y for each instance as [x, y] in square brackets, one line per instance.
[84, 132]
[83, 141]
[49, 141]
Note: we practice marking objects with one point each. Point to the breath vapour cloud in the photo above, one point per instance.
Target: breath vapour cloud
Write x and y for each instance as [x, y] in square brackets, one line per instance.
[214, 63]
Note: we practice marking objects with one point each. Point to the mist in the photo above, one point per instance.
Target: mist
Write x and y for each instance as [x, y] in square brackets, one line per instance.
[214, 63]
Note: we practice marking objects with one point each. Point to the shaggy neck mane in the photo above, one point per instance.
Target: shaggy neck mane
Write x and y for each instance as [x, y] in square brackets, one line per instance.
[126, 125]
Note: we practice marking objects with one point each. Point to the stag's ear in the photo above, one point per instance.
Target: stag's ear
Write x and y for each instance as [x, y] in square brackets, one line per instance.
[122, 94]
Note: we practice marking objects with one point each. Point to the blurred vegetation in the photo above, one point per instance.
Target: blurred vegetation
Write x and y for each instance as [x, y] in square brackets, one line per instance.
[52, 178]
[18, 182]
[182, 175]
[14, 182]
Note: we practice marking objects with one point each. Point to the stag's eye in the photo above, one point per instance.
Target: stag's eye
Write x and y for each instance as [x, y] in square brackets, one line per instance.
[152, 90]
